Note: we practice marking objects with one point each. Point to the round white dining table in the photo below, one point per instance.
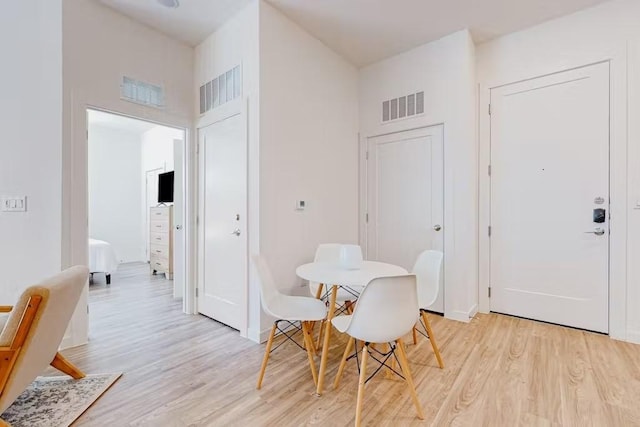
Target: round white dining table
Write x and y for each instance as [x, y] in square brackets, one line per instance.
[334, 276]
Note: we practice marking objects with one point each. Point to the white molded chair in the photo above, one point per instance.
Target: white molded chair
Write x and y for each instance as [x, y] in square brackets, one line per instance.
[330, 253]
[427, 269]
[287, 308]
[387, 310]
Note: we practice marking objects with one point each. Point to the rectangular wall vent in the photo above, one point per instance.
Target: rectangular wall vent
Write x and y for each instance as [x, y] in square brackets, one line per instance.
[140, 92]
[224, 88]
[403, 107]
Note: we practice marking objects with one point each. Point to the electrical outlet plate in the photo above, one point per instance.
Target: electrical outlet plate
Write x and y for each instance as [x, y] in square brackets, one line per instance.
[13, 204]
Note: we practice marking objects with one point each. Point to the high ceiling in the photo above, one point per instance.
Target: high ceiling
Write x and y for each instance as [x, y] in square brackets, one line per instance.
[362, 31]
[190, 23]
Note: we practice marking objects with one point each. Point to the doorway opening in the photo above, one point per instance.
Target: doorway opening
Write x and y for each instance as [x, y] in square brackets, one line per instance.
[136, 212]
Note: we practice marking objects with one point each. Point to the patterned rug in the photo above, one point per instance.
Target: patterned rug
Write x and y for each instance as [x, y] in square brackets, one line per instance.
[56, 401]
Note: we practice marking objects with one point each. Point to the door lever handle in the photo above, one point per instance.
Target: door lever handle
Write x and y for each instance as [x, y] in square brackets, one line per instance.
[598, 231]
[236, 232]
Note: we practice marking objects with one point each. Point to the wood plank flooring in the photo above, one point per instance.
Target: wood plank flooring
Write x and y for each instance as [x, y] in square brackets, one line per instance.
[184, 370]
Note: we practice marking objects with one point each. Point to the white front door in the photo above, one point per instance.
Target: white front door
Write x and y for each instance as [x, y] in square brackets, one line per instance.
[223, 290]
[549, 177]
[405, 197]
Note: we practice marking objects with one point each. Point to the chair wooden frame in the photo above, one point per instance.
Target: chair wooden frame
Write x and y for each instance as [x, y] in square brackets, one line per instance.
[9, 354]
[430, 336]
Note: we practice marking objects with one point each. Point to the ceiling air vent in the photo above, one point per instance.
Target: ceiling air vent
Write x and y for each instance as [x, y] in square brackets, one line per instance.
[224, 88]
[140, 92]
[403, 107]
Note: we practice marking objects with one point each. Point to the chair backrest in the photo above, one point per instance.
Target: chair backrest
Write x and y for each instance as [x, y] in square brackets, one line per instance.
[386, 310]
[58, 297]
[269, 294]
[326, 252]
[427, 269]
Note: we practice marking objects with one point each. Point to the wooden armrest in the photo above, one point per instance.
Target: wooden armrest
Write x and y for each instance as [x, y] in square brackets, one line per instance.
[6, 308]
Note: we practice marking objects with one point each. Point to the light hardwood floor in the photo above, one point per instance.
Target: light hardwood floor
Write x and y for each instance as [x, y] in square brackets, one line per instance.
[184, 370]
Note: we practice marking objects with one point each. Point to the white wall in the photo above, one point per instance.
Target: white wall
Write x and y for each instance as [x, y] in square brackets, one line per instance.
[610, 31]
[308, 147]
[30, 163]
[445, 71]
[235, 43]
[115, 193]
[301, 102]
[157, 148]
[99, 47]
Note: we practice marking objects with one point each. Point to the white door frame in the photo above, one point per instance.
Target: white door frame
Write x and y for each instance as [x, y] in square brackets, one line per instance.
[618, 193]
[75, 207]
[448, 214]
[226, 111]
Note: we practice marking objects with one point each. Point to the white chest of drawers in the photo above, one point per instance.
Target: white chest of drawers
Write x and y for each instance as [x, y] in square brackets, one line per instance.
[161, 240]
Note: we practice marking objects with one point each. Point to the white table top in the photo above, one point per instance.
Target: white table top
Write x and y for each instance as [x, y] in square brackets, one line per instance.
[332, 274]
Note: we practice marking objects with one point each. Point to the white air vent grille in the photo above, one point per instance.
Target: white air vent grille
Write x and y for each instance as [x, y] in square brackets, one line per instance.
[224, 88]
[403, 107]
[140, 92]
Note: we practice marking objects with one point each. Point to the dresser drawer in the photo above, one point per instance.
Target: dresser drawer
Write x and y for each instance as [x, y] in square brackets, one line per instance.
[159, 226]
[159, 238]
[158, 214]
[161, 251]
[159, 264]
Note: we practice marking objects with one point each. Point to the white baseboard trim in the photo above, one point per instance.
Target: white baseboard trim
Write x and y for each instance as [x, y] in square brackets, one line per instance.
[463, 316]
[633, 337]
[473, 311]
[460, 316]
[257, 336]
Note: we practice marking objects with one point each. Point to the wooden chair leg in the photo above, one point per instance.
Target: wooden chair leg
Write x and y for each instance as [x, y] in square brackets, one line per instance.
[310, 350]
[349, 307]
[432, 338]
[343, 362]
[320, 332]
[361, 381]
[63, 365]
[415, 336]
[265, 359]
[404, 364]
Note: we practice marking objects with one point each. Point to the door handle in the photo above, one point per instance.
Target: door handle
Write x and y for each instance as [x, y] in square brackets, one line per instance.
[178, 227]
[236, 232]
[437, 227]
[598, 231]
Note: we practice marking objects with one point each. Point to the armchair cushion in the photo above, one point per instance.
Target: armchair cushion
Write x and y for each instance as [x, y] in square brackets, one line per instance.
[3, 320]
[60, 295]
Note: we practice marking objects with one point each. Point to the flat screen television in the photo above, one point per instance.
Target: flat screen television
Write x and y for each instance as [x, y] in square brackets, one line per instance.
[165, 187]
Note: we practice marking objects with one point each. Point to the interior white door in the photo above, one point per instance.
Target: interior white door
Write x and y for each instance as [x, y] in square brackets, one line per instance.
[179, 205]
[223, 291]
[151, 197]
[549, 172]
[405, 197]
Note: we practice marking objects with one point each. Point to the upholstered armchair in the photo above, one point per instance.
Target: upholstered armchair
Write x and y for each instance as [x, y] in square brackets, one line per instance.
[32, 330]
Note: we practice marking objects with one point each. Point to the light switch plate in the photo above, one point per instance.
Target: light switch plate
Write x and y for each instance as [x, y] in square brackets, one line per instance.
[13, 204]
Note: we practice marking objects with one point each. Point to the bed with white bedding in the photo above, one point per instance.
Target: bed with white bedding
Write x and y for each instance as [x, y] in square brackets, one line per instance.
[102, 258]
